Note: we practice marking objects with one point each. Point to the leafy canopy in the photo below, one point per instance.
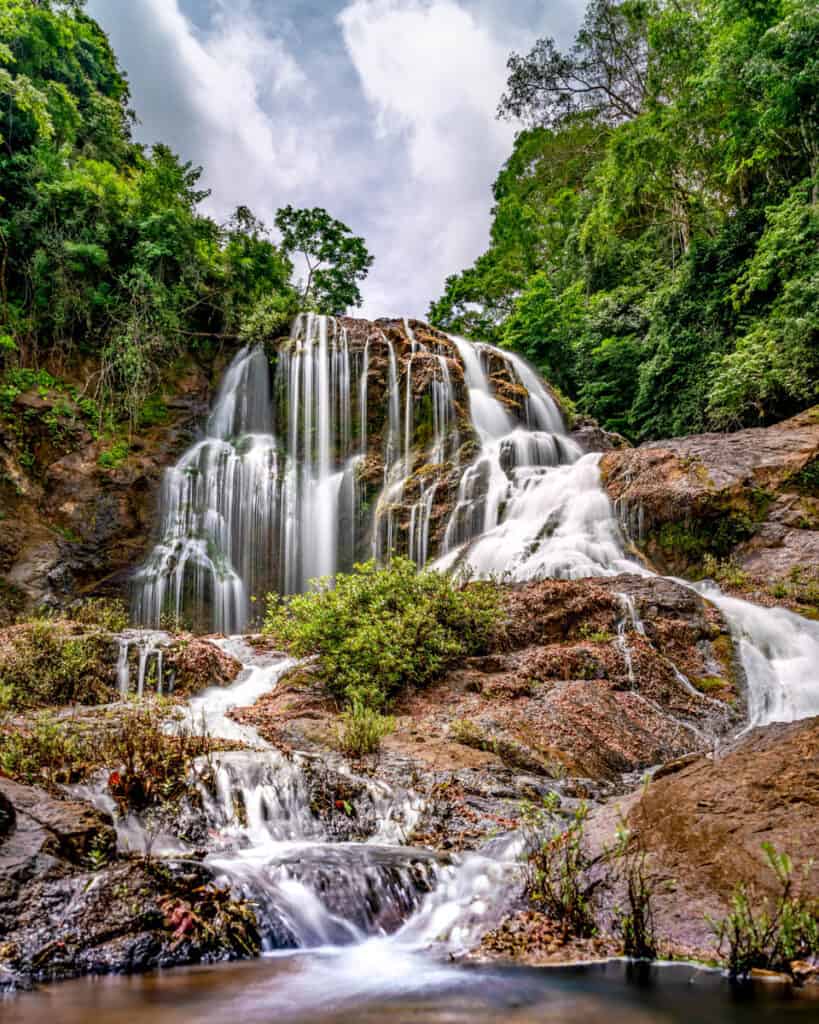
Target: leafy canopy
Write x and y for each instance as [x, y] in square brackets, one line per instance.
[654, 238]
[336, 258]
[104, 251]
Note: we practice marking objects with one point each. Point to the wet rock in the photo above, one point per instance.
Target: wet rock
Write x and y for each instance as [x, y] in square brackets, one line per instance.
[748, 501]
[70, 906]
[591, 437]
[589, 680]
[703, 827]
[197, 664]
[78, 520]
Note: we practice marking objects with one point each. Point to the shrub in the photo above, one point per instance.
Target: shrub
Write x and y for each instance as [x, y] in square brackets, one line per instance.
[107, 613]
[362, 729]
[376, 631]
[557, 867]
[760, 933]
[147, 763]
[113, 457]
[47, 662]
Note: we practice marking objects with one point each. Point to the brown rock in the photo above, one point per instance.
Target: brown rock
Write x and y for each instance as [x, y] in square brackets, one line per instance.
[749, 499]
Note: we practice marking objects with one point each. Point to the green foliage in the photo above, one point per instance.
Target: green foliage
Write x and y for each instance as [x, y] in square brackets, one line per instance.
[556, 867]
[377, 631]
[47, 662]
[769, 934]
[148, 764]
[362, 729]
[656, 230]
[635, 920]
[336, 258]
[107, 613]
[103, 249]
[114, 456]
[269, 318]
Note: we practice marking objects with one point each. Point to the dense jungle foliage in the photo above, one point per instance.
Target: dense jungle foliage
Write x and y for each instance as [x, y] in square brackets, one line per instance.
[655, 241]
[103, 249]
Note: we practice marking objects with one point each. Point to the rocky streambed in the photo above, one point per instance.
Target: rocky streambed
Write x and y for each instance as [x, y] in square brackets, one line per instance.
[277, 841]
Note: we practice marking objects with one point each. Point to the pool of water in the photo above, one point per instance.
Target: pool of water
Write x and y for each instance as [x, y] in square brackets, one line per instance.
[369, 984]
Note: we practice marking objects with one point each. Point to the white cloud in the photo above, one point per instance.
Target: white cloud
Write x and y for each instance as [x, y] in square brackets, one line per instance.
[432, 73]
[383, 111]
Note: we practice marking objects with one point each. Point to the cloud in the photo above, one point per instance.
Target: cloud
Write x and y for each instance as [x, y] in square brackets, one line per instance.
[383, 111]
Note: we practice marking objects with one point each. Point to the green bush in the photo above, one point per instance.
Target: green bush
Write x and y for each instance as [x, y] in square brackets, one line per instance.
[148, 764]
[107, 613]
[556, 867]
[376, 631]
[47, 662]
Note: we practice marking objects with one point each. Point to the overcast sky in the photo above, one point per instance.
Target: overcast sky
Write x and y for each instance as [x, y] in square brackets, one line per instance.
[382, 111]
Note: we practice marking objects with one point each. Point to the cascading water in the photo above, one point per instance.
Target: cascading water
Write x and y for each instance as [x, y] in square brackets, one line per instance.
[550, 517]
[273, 495]
[311, 891]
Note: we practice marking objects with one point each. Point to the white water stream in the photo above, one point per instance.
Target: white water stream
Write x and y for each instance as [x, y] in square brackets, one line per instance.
[313, 892]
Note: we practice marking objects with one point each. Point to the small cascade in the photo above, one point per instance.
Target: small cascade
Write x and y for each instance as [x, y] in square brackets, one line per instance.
[498, 488]
[218, 513]
[779, 652]
[629, 621]
[150, 673]
[314, 384]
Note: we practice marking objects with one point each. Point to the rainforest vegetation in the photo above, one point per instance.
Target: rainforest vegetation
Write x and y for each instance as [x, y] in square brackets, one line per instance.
[655, 236]
[104, 251]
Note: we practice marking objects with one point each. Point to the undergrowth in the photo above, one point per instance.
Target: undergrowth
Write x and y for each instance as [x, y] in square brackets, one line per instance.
[147, 764]
[362, 729]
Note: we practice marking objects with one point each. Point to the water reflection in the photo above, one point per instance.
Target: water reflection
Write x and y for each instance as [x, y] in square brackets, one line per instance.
[370, 984]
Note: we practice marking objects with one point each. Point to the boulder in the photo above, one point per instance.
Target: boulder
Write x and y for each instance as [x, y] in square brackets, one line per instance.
[703, 826]
[743, 507]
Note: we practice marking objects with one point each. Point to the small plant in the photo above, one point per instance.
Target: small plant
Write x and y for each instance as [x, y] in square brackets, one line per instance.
[212, 918]
[595, 636]
[556, 867]
[724, 571]
[635, 921]
[362, 729]
[47, 662]
[771, 935]
[114, 456]
[106, 613]
[99, 854]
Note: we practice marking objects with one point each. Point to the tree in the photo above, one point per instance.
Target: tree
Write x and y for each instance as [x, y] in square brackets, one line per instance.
[336, 258]
[654, 241]
[605, 72]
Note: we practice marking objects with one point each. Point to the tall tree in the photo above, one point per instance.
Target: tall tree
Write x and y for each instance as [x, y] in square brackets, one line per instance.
[604, 73]
[336, 258]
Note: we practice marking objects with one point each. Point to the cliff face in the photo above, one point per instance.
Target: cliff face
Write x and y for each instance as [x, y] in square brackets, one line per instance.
[743, 507]
[78, 503]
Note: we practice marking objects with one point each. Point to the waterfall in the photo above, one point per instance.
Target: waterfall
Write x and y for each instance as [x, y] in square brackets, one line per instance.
[218, 512]
[280, 490]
